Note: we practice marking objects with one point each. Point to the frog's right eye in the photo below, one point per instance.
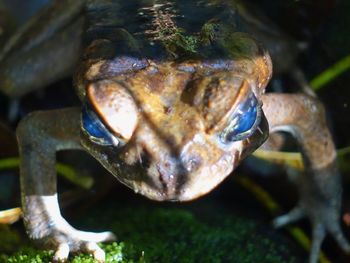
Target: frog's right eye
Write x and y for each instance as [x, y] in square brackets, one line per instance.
[112, 116]
[96, 130]
[244, 120]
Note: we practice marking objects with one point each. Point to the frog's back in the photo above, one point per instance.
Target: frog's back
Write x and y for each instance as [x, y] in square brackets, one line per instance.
[123, 37]
[157, 29]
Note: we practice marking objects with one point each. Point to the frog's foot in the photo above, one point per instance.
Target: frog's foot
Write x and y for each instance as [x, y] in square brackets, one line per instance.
[324, 220]
[64, 239]
[79, 241]
[46, 227]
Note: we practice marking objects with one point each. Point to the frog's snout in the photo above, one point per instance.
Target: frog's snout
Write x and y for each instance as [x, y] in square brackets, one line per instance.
[201, 166]
[186, 173]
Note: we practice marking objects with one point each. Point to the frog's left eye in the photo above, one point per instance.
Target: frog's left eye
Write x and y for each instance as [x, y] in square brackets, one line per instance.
[96, 130]
[244, 121]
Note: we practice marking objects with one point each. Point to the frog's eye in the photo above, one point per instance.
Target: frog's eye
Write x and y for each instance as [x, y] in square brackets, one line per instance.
[112, 115]
[244, 121]
[96, 130]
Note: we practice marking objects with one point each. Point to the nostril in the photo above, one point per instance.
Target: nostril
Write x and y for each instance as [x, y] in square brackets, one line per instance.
[145, 160]
[193, 163]
[168, 165]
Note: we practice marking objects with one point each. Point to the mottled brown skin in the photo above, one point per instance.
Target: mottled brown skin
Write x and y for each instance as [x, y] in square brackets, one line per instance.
[179, 117]
[167, 113]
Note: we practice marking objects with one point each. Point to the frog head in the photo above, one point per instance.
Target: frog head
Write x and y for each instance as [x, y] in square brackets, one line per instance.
[173, 131]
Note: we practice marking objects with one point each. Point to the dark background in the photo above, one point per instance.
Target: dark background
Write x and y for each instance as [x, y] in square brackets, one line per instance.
[323, 25]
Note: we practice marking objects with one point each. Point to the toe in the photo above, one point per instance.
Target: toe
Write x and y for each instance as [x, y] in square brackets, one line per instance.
[96, 251]
[95, 237]
[337, 234]
[318, 235]
[62, 253]
[294, 215]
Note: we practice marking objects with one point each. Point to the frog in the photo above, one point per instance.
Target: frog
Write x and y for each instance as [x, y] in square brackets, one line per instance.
[172, 100]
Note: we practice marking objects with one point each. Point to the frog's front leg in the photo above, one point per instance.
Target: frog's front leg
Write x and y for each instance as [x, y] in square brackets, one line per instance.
[320, 188]
[40, 136]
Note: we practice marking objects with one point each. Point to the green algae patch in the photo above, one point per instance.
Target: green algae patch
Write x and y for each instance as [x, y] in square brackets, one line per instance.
[168, 234]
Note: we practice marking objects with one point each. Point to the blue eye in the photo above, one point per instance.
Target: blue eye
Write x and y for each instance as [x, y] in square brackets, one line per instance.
[96, 130]
[244, 121]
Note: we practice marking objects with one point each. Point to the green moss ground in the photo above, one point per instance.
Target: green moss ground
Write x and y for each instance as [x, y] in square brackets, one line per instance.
[171, 234]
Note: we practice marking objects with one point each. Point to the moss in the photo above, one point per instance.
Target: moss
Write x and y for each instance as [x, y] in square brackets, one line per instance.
[164, 234]
[238, 45]
[28, 255]
[114, 253]
[176, 41]
[208, 31]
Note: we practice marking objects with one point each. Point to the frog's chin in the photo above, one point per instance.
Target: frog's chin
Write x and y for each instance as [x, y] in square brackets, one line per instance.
[177, 184]
[190, 187]
[187, 192]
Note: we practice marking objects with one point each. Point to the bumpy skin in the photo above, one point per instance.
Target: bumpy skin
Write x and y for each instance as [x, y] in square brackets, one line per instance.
[165, 82]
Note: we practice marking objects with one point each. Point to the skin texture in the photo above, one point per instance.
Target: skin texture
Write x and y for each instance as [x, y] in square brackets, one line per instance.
[166, 88]
[186, 160]
[321, 172]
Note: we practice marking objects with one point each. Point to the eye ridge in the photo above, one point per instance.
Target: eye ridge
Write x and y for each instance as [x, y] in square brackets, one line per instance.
[244, 121]
[97, 131]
